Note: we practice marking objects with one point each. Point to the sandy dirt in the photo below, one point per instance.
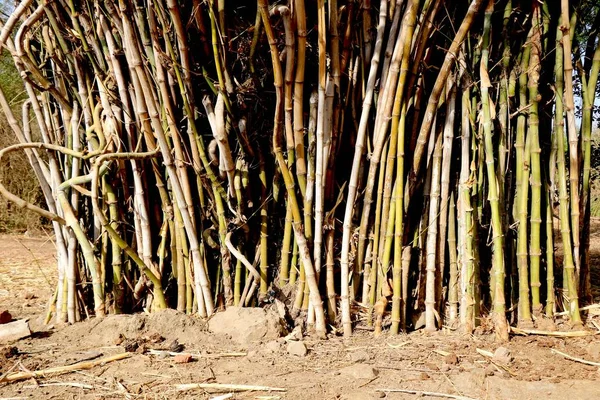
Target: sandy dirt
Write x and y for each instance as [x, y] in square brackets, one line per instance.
[356, 368]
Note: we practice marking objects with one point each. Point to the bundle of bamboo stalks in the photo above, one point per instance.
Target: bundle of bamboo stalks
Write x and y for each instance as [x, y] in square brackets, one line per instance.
[183, 166]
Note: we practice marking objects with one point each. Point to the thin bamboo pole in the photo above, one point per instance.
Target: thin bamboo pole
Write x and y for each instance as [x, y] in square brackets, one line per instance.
[499, 306]
[570, 279]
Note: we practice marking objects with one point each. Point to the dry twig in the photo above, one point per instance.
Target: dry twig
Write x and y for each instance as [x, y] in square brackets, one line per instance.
[576, 359]
[19, 376]
[519, 331]
[424, 393]
[227, 387]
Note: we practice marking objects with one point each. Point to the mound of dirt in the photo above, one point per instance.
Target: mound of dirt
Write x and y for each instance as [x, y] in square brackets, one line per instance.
[248, 325]
[108, 331]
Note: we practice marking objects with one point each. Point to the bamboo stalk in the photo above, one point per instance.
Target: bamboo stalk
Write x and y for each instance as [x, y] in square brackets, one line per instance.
[353, 181]
[298, 233]
[500, 324]
[570, 280]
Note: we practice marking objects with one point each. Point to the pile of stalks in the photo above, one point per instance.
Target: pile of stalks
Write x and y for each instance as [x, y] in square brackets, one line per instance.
[397, 163]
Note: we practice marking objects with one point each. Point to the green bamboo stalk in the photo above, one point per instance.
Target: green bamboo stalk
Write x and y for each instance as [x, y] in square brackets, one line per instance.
[536, 174]
[571, 133]
[570, 280]
[550, 296]
[300, 19]
[447, 144]
[399, 297]
[499, 306]
[453, 264]
[378, 236]
[523, 196]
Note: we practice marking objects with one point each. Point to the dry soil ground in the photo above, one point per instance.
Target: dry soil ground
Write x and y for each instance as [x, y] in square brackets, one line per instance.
[337, 368]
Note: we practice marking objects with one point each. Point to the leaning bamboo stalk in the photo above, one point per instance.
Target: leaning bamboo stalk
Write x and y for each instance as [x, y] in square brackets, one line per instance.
[289, 182]
[94, 178]
[353, 181]
[432, 103]
[202, 283]
[394, 87]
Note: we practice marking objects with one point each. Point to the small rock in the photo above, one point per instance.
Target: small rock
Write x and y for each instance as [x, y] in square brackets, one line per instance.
[502, 355]
[360, 371]
[424, 376]
[5, 317]
[451, 359]
[30, 296]
[130, 345]
[142, 348]
[418, 321]
[296, 334]
[359, 356]
[119, 339]
[490, 370]
[381, 395]
[176, 347]
[444, 368]
[182, 358]
[297, 349]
